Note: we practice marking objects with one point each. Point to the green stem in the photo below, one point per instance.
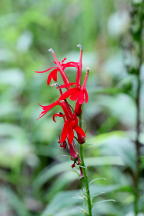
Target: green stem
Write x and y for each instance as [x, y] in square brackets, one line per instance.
[138, 9]
[84, 179]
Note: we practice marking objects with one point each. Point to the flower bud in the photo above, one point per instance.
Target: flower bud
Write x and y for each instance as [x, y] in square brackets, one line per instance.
[81, 139]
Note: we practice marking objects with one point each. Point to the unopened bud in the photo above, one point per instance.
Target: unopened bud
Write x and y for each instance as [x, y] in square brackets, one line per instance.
[81, 139]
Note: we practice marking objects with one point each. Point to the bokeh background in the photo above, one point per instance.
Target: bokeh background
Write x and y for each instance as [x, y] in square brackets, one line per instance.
[36, 178]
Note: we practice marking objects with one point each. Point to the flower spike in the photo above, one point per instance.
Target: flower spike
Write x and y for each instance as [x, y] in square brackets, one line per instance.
[75, 91]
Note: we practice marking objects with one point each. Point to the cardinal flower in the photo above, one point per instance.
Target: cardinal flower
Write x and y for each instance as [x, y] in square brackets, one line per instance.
[71, 126]
[78, 94]
[75, 91]
[69, 129]
[47, 108]
[60, 66]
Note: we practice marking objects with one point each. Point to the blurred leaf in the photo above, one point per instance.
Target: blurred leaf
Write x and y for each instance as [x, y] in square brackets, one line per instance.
[50, 172]
[14, 145]
[62, 202]
[17, 204]
[116, 143]
[53, 170]
[64, 180]
[100, 190]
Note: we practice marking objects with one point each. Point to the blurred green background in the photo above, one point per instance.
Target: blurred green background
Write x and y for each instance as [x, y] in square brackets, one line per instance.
[35, 174]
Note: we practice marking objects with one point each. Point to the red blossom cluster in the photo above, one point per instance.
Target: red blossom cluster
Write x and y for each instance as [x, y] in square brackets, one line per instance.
[74, 91]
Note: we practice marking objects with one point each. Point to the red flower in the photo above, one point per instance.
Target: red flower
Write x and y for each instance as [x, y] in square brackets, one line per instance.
[78, 94]
[47, 108]
[75, 91]
[60, 67]
[71, 127]
[70, 122]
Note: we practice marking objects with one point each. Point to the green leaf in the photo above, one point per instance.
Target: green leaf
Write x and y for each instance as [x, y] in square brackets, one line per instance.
[62, 201]
[60, 182]
[16, 203]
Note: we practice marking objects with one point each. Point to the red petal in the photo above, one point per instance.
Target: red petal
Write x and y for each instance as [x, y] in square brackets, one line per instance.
[75, 95]
[64, 132]
[80, 131]
[45, 70]
[71, 64]
[81, 97]
[47, 108]
[81, 135]
[78, 108]
[67, 93]
[52, 75]
[67, 85]
[70, 136]
[67, 109]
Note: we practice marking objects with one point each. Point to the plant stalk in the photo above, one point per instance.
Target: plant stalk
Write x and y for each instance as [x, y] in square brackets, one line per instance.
[84, 179]
[139, 55]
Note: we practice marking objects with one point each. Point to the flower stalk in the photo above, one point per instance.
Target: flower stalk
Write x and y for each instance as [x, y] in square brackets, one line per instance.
[137, 19]
[84, 178]
[71, 114]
